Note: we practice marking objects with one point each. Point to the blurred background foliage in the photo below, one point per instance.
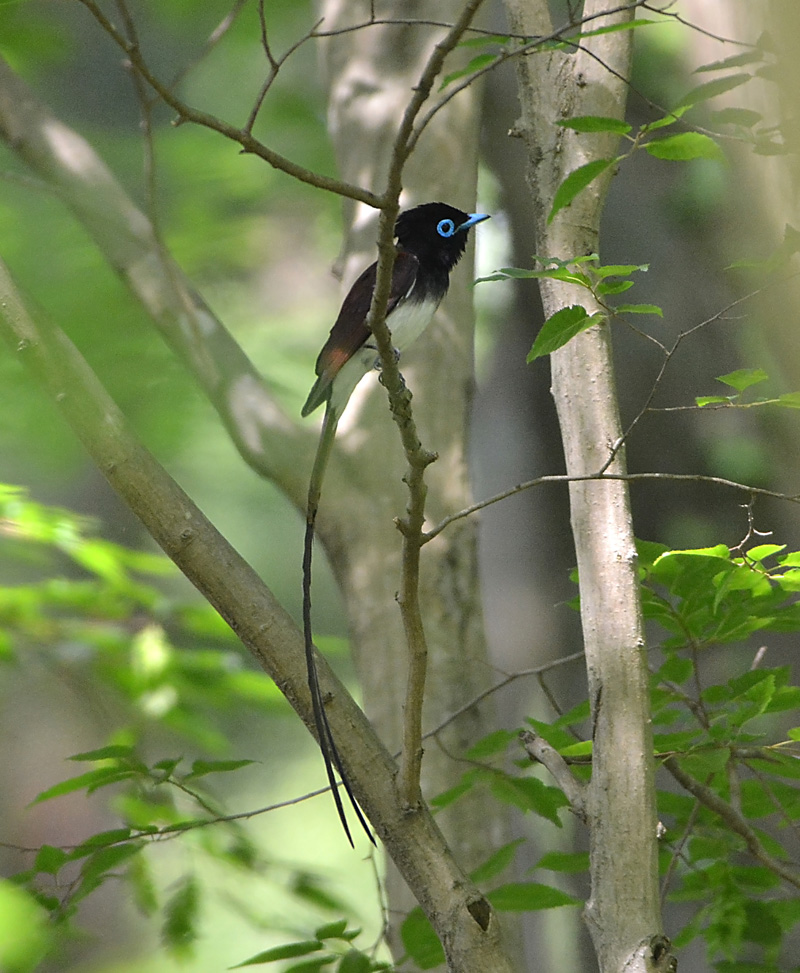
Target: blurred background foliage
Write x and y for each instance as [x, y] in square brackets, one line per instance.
[103, 660]
[100, 656]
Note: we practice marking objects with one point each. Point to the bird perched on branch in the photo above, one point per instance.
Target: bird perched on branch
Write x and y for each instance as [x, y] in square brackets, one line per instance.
[431, 239]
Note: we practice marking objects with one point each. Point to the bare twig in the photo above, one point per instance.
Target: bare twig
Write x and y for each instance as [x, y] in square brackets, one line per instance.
[251, 610]
[677, 850]
[669, 353]
[213, 39]
[695, 27]
[540, 750]
[630, 477]
[733, 820]
[275, 64]
[128, 241]
[244, 138]
[400, 404]
[512, 677]
[527, 47]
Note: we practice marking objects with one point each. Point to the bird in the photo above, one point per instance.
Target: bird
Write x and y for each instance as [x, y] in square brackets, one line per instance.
[431, 239]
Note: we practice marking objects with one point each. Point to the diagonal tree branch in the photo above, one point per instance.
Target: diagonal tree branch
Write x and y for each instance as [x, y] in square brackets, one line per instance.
[461, 916]
[266, 438]
[734, 820]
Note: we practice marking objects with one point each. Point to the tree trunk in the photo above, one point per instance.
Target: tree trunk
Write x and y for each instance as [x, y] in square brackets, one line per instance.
[371, 74]
[623, 912]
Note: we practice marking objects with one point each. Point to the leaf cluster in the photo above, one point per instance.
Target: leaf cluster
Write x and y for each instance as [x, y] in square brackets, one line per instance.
[101, 616]
[729, 841]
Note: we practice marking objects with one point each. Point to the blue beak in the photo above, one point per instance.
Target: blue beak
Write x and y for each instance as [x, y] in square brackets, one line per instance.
[473, 219]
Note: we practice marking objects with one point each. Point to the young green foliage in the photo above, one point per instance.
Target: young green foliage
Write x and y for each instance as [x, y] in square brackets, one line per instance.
[584, 272]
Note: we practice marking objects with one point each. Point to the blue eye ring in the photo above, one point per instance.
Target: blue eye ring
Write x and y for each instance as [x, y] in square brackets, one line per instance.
[445, 228]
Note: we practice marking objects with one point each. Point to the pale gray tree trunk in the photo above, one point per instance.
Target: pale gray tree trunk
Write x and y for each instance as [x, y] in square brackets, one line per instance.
[623, 912]
[370, 76]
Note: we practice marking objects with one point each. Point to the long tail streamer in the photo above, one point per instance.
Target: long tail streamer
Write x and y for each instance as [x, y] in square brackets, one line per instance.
[330, 753]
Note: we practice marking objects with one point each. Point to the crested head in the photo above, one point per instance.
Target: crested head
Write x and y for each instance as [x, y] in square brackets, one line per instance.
[436, 232]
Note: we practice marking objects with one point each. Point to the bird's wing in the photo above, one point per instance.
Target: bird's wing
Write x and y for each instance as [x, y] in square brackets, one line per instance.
[350, 330]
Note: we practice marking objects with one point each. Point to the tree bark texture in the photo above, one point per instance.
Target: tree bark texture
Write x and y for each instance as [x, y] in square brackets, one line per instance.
[460, 915]
[363, 490]
[371, 74]
[623, 912]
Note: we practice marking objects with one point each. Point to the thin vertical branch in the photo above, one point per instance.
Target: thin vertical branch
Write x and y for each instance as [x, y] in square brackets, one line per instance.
[400, 404]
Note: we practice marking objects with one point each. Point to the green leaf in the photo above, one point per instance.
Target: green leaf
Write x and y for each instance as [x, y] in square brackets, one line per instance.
[449, 796]
[202, 767]
[789, 400]
[639, 309]
[762, 551]
[579, 713]
[529, 794]
[711, 89]
[612, 29]
[106, 753]
[310, 888]
[560, 328]
[577, 181]
[50, 859]
[287, 951]
[89, 782]
[562, 861]
[96, 868]
[179, 931]
[734, 61]
[560, 272]
[703, 764]
[477, 62]
[311, 965]
[613, 287]
[26, 935]
[769, 146]
[529, 896]
[420, 941]
[668, 742]
[107, 858]
[142, 885]
[718, 552]
[491, 744]
[687, 145]
[743, 378]
[485, 40]
[664, 122]
[331, 930]
[354, 961]
[581, 749]
[703, 400]
[619, 270]
[595, 123]
[676, 669]
[515, 273]
[496, 863]
[743, 117]
[100, 840]
[778, 259]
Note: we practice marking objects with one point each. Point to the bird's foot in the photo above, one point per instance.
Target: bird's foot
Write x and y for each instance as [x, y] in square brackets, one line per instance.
[378, 365]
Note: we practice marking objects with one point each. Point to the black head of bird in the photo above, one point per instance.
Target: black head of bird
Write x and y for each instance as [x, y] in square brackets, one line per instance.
[435, 233]
[431, 239]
